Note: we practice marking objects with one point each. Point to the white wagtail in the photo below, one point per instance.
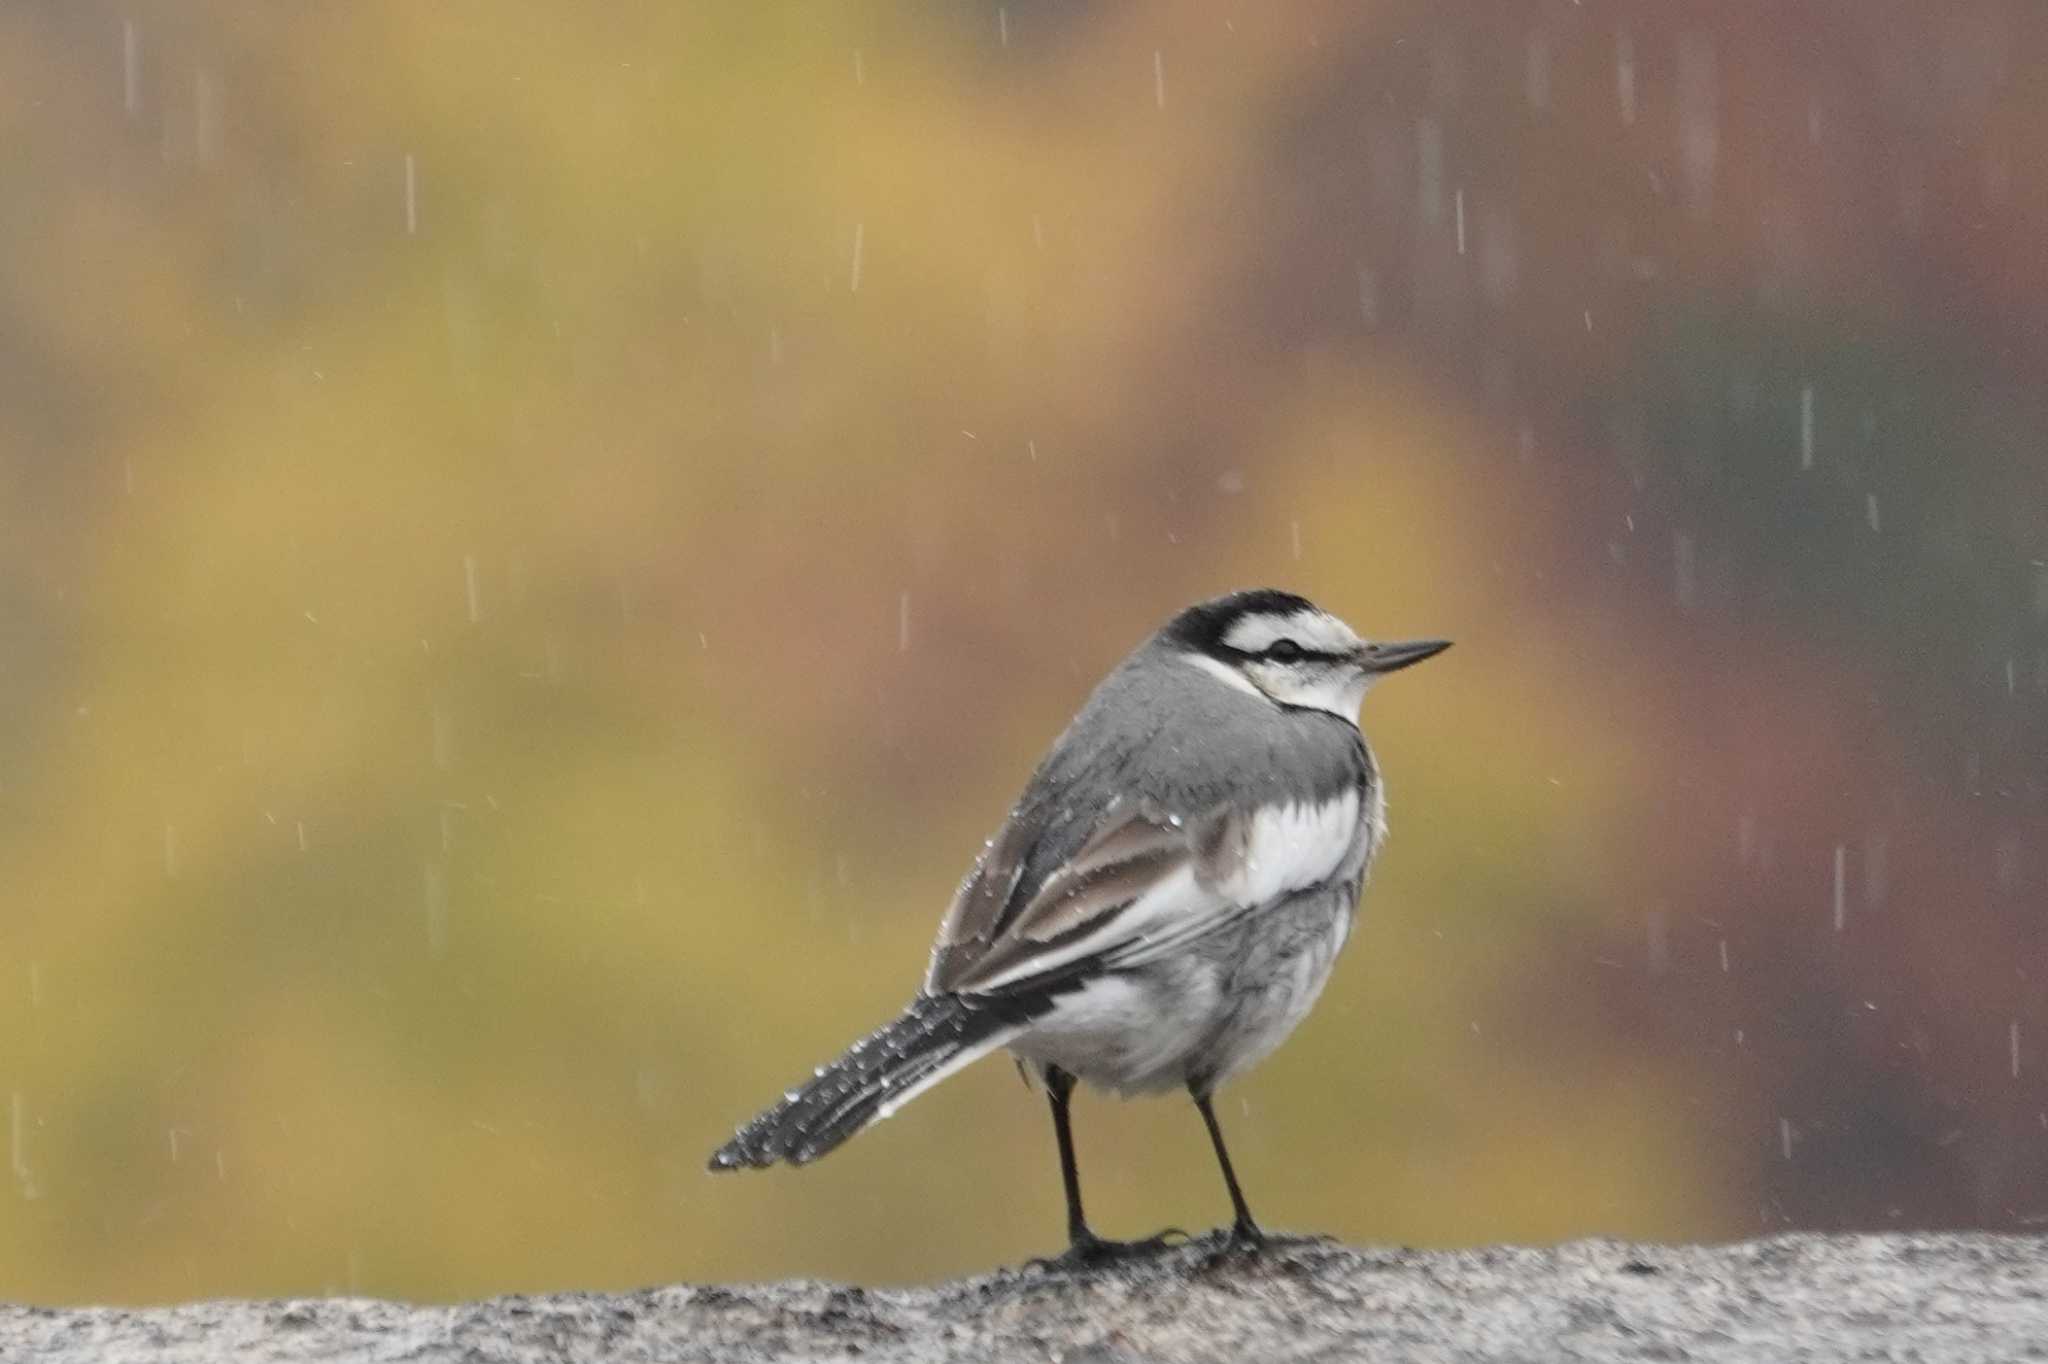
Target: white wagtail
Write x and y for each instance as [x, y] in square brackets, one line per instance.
[1164, 903]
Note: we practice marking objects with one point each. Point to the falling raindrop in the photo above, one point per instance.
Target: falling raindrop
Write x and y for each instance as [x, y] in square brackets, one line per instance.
[1003, 25]
[1870, 512]
[1785, 1137]
[1625, 77]
[1841, 886]
[1159, 78]
[2012, 1046]
[412, 196]
[1806, 426]
[131, 67]
[1699, 136]
[1294, 538]
[1458, 203]
[859, 242]
[469, 587]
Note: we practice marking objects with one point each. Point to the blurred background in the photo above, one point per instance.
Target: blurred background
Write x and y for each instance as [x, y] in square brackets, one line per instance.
[535, 542]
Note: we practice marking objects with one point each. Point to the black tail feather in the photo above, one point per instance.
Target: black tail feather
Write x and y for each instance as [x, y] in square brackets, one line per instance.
[843, 1097]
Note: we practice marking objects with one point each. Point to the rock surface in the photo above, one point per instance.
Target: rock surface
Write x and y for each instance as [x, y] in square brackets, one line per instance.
[1866, 1298]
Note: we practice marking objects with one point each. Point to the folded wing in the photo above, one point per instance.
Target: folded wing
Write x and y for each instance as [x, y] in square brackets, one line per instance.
[1144, 884]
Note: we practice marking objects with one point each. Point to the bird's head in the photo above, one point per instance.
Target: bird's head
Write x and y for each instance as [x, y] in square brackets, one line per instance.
[1289, 650]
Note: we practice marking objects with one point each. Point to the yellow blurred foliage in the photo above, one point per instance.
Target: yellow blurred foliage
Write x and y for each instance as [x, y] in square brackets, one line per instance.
[581, 519]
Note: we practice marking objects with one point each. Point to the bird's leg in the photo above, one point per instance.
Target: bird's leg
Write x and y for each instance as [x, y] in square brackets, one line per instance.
[1084, 1247]
[1244, 1233]
[1059, 1088]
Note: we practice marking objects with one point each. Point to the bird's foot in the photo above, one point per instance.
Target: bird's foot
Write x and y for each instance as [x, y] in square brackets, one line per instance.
[1242, 1240]
[1090, 1251]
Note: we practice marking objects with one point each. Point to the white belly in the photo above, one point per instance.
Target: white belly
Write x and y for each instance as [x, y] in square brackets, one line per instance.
[1202, 1015]
[1130, 1033]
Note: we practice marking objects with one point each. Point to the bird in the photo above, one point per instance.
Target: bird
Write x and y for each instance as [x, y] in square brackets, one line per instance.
[1163, 904]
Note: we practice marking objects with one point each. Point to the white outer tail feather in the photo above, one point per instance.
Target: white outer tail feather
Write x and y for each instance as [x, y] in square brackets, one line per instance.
[966, 1057]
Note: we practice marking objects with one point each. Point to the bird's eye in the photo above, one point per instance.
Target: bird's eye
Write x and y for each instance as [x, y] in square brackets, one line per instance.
[1284, 651]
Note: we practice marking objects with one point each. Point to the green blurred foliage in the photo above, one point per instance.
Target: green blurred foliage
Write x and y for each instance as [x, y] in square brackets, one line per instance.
[537, 541]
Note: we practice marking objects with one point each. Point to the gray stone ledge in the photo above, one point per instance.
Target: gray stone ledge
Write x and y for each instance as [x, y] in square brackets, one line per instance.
[1931, 1297]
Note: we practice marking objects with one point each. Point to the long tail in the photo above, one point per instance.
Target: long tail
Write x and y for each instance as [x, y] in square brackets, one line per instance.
[937, 1035]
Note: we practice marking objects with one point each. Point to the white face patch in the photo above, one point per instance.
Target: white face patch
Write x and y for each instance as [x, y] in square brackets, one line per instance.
[1338, 688]
[1335, 685]
[1318, 632]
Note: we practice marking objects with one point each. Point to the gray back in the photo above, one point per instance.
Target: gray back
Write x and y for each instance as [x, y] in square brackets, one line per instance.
[1160, 730]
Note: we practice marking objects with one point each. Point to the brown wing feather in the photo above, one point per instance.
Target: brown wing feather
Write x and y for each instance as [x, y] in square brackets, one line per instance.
[976, 914]
[1131, 853]
[1135, 836]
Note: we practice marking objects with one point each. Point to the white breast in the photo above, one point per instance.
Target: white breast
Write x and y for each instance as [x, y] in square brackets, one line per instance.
[1292, 847]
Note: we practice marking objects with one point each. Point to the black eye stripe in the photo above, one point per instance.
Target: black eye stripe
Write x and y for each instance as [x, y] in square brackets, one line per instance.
[1281, 651]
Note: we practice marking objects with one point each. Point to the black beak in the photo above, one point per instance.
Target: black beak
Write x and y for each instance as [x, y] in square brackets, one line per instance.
[1386, 658]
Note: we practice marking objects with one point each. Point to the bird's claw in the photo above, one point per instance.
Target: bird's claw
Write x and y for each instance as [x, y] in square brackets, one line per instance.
[1240, 1241]
[1094, 1252]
